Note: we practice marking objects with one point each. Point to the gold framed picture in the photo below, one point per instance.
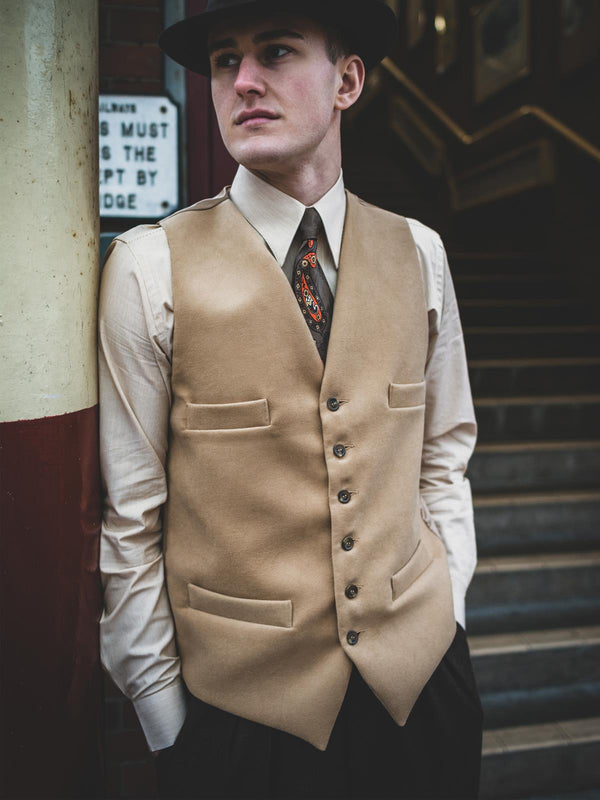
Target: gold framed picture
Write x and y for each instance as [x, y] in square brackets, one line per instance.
[579, 33]
[416, 22]
[502, 45]
[446, 34]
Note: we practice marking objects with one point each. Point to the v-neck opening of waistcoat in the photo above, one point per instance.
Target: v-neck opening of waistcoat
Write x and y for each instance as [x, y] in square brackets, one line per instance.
[347, 302]
[351, 258]
[305, 338]
[355, 271]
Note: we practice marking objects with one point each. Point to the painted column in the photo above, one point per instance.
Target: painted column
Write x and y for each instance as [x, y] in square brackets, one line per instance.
[50, 685]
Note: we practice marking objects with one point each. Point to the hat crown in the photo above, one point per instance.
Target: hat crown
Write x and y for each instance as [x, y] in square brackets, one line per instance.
[221, 5]
[370, 26]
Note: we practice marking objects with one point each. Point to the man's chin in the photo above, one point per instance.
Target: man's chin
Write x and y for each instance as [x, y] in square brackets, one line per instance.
[258, 155]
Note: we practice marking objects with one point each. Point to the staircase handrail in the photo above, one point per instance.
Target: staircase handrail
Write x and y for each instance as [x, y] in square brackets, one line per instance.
[487, 130]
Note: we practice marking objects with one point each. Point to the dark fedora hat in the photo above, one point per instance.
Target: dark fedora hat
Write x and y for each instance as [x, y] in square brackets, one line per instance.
[369, 26]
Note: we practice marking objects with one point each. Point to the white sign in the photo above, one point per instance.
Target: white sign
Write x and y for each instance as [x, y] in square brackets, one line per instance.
[138, 156]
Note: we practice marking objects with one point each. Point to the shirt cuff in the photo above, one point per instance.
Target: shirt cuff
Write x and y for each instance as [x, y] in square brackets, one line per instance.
[162, 714]
[458, 598]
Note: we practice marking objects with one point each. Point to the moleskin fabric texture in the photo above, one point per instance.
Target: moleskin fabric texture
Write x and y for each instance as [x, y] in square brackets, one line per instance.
[255, 570]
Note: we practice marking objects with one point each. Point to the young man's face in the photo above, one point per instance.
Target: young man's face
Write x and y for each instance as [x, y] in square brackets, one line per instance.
[275, 91]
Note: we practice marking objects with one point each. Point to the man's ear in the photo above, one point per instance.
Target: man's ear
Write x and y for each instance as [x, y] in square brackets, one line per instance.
[352, 79]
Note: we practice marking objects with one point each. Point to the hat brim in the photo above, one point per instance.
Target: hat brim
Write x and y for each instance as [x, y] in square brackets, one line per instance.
[370, 27]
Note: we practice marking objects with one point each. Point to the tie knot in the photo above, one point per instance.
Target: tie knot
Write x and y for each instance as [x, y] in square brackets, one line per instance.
[310, 224]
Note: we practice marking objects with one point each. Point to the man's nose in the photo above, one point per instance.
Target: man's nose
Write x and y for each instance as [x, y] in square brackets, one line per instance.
[249, 77]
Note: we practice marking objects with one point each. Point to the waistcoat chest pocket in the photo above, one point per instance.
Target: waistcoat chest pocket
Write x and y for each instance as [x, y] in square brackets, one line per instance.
[406, 395]
[415, 566]
[245, 609]
[227, 416]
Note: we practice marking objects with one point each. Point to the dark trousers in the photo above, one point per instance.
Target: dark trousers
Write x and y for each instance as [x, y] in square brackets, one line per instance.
[436, 754]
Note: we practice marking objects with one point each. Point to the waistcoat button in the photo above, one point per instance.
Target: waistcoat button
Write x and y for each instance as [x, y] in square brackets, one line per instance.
[333, 404]
[344, 496]
[351, 591]
[352, 637]
[339, 450]
[347, 543]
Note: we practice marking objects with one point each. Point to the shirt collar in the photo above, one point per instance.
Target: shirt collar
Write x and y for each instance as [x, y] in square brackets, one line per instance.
[276, 215]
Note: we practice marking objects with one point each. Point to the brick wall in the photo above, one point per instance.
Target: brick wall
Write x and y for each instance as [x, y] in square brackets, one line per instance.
[130, 60]
[130, 63]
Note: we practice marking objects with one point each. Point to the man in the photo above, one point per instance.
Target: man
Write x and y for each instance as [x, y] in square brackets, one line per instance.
[286, 418]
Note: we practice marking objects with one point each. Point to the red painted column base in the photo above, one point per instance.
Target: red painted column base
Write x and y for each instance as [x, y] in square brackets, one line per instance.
[50, 605]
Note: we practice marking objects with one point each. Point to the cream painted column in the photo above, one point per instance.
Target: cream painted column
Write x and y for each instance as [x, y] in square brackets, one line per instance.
[50, 679]
[48, 206]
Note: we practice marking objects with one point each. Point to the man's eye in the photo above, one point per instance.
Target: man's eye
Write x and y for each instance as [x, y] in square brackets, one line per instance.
[275, 51]
[226, 60]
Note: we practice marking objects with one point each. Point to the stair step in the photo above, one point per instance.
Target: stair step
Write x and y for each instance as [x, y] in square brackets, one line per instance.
[528, 760]
[532, 416]
[541, 340]
[515, 524]
[584, 794]
[496, 285]
[538, 676]
[533, 376]
[505, 263]
[529, 466]
[482, 311]
[549, 590]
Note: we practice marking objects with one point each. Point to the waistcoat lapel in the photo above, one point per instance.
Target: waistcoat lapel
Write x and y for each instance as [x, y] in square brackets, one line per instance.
[379, 301]
[258, 263]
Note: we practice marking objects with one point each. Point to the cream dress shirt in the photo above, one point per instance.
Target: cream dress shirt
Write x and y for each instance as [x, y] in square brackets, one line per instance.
[135, 339]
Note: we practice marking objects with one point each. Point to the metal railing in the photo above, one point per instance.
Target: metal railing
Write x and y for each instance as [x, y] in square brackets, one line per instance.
[488, 130]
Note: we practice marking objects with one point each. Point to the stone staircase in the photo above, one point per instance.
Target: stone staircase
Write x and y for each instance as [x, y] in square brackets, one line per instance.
[533, 609]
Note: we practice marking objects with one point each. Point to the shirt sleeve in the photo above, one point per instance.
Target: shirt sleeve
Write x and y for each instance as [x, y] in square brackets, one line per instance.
[137, 641]
[450, 425]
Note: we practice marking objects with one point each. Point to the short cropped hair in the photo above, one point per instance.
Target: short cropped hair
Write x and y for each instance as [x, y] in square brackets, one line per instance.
[337, 44]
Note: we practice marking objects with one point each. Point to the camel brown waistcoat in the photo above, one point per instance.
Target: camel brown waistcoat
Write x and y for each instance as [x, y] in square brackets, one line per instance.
[255, 566]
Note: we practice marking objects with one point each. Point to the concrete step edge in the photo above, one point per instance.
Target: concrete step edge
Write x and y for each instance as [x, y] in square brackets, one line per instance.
[506, 277]
[567, 733]
[538, 561]
[535, 498]
[528, 641]
[525, 302]
[483, 255]
[541, 361]
[536, 400]
[529, 445]
[529, 330]
[583, 794]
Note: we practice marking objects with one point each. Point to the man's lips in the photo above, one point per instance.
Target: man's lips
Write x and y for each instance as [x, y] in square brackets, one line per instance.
[256, 116]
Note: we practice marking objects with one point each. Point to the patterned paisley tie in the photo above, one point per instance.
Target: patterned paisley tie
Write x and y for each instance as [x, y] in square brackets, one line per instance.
[310, 284]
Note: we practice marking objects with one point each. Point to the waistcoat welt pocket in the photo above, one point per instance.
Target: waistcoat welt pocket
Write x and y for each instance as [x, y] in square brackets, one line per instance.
[415, 566]
[245, 609]
[406, 395]
[227, 416]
